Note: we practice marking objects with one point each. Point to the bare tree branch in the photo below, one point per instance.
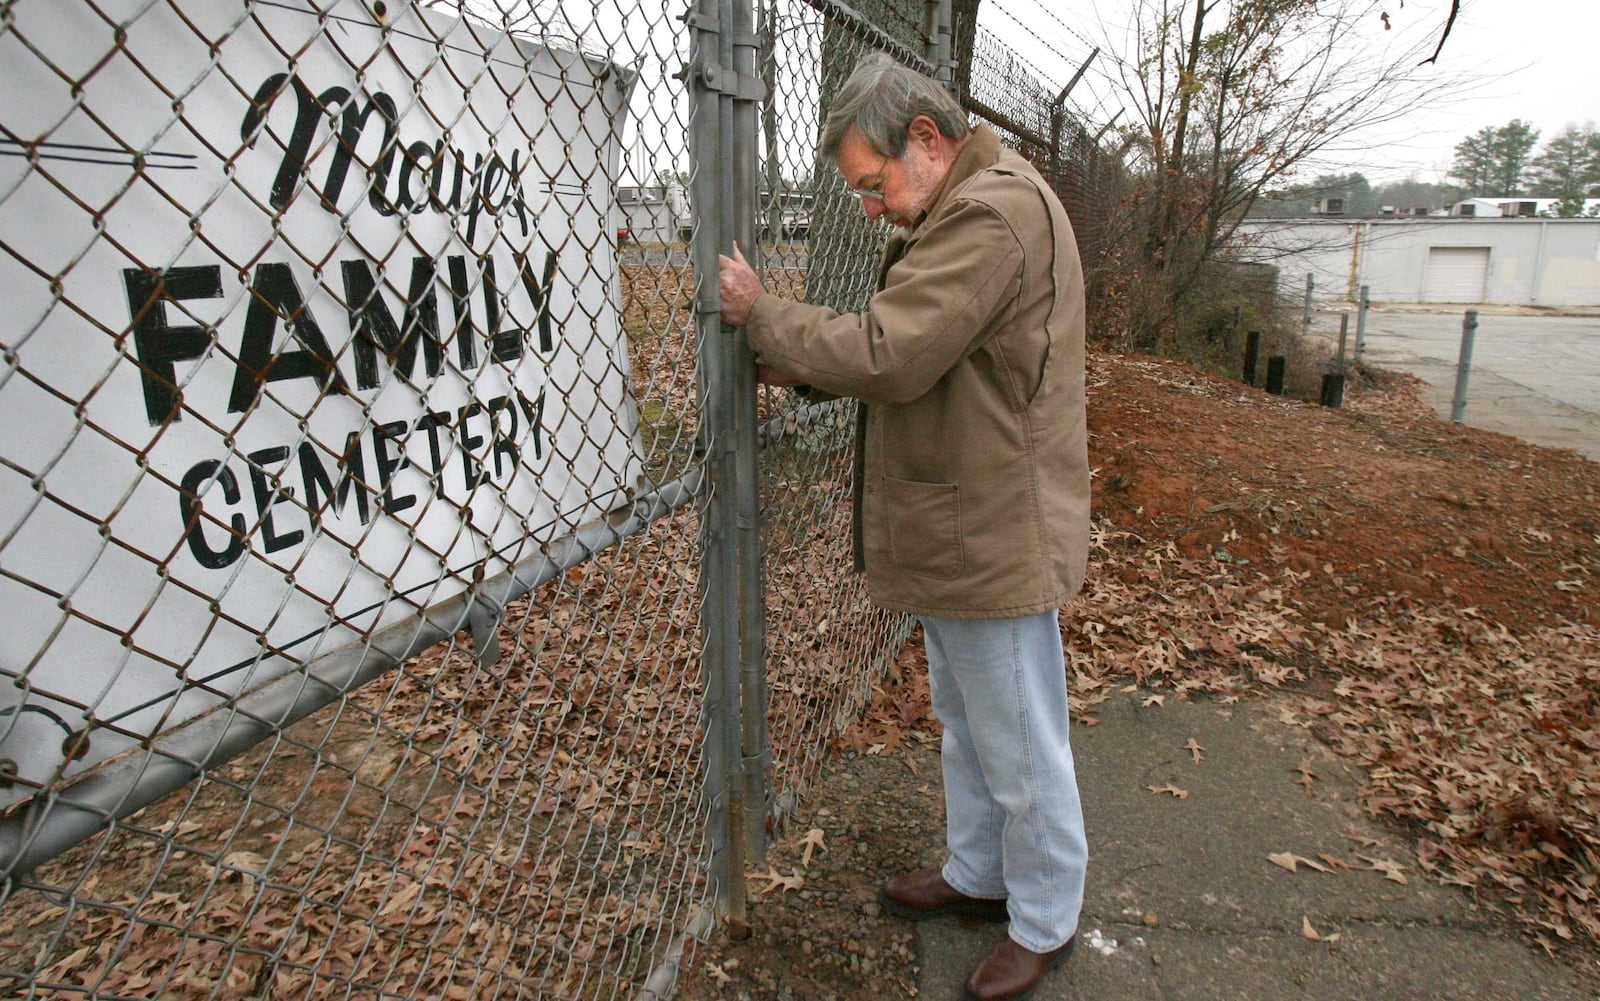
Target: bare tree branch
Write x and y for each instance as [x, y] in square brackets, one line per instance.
[1455, 8]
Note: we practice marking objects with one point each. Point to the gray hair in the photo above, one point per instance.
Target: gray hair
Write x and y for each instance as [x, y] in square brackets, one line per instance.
[880, 99]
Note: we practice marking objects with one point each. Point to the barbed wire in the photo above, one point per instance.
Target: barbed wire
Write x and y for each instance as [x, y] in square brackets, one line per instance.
[1095, 110]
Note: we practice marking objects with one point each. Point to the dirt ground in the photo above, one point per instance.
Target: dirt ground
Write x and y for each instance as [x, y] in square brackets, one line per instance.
[1424, 592]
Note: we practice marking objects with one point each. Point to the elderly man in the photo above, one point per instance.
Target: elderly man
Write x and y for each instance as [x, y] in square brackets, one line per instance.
[971, 484]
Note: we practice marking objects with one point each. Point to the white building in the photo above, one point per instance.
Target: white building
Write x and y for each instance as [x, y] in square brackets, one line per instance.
[1520, 206]
[657, 213]
[1522, 261]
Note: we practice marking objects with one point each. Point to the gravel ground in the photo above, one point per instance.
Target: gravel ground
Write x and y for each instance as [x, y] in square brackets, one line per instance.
[829, 940]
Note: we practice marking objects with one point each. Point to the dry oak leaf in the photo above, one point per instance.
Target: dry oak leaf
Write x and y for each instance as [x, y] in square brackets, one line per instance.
[1311, 933]
[1194, 748]
[1170, 790]
[1154, 700]
[812, 841]
[1290, 861]
[1391, 869]
[776, 879]
[1307, 776]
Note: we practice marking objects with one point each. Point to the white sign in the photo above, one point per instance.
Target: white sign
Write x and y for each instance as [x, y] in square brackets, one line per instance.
[307, 316]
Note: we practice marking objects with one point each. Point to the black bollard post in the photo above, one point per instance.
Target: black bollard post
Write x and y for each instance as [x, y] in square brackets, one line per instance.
[1252, 351]
[1332, 390]
[1275, 366]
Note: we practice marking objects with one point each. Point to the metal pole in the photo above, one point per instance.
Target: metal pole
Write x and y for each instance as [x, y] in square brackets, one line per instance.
[1075, 78]
[1344, 331]
[769, 119]
[1105, 128]
[1469, 333]
[709, 125]
[1361, 324]
[725, 472]
[1305, 323]
[754, 750]
[1058, 115]
[1276, 365]
[943, 55]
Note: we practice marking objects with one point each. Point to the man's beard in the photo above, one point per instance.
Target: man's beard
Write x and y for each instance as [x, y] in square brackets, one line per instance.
[924, 180]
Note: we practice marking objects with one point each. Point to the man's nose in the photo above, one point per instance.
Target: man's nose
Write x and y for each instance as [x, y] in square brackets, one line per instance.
[873, 207]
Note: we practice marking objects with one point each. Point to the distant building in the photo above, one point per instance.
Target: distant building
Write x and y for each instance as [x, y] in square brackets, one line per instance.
[660, 213]
[656, 213]
[1537, 261]
[1519, 206]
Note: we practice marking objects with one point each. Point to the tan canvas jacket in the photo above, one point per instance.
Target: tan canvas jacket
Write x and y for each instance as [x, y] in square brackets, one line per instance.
[972, 475]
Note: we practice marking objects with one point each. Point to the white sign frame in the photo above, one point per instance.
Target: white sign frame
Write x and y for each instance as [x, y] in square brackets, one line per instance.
[292, 362]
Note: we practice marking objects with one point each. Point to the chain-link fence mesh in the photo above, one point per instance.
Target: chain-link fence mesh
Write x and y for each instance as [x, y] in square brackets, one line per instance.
[826, 643]
[1085, 170]
[348, 503]
[365, 510]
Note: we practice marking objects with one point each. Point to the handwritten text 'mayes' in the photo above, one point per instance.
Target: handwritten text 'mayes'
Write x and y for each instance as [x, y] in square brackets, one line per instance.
[488, 184]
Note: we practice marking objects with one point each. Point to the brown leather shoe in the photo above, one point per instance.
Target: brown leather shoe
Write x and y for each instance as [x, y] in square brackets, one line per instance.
[924, 894]
[1010, 972]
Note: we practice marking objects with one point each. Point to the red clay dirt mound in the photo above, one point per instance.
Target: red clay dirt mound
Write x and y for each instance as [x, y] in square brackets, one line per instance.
[1379, 497]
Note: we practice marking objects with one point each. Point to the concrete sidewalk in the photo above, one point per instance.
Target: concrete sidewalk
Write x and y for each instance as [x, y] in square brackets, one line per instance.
[1183, 902]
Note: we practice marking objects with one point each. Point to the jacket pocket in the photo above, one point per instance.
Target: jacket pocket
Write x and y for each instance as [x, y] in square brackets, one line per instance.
[924, 526]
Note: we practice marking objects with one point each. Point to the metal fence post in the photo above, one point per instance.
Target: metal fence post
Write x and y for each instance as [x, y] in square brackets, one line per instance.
[938, 50]
[768, 58]
[1469, 333]
[710, 124]
[1305, 322]
[1252, 352]
[755, 750]
[1361, 324]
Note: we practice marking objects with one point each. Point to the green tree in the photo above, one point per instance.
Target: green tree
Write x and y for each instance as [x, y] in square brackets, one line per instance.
[1474, 161]
[1569, 164]
[1568, 207]
[1512, 147]
[1353, 189]
[1492, 161]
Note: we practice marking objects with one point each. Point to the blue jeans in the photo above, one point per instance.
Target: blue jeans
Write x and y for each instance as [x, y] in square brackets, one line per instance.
[1012, 815]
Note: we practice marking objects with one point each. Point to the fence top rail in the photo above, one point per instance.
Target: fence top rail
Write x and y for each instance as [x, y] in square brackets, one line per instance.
[868, 32]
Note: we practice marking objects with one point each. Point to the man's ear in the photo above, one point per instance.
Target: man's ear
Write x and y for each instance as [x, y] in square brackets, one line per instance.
[923, 132]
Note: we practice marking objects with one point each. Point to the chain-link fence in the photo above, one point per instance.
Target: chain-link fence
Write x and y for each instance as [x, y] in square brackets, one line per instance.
[408, 592]
[1083, 166]
[352, 620]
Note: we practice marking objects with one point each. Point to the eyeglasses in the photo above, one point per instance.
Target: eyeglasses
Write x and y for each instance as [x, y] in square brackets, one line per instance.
[874, 188]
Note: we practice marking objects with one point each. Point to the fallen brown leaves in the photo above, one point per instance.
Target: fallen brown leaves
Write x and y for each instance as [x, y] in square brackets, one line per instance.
[538, 821]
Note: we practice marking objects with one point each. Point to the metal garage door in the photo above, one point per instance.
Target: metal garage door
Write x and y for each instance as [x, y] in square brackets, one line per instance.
[1455, 274]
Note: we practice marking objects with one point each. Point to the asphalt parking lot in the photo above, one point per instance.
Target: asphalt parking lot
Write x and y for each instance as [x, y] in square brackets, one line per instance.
[1535, 376]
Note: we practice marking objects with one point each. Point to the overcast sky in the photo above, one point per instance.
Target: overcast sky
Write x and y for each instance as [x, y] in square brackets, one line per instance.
[1538, 60]
[1543, 58]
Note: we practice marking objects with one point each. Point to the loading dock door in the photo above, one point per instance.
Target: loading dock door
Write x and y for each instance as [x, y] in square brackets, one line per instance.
[1455, 274]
